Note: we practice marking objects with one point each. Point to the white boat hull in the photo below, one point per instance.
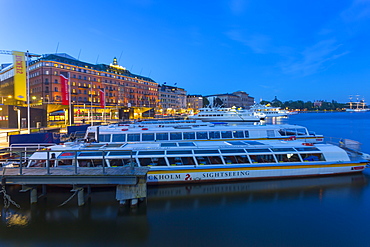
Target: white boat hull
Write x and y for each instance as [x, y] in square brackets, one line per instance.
[213, 174]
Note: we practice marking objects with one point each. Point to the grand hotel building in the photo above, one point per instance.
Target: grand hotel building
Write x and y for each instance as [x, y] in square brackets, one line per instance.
[123, 89]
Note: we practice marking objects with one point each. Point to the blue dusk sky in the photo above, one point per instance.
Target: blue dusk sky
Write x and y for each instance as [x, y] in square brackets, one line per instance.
[295, 50]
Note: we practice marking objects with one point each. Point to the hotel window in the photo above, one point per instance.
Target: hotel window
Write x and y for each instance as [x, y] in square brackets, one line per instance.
[56, 89]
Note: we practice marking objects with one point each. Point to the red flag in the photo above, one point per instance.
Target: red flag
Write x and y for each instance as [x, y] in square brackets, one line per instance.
[102, 98]
[64, 87]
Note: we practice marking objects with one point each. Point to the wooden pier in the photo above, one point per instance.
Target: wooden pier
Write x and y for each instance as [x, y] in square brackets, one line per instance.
[130, 182]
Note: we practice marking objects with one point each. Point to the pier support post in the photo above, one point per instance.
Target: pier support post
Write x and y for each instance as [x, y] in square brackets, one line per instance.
[80, 194]
[33, 192]
[131, 192]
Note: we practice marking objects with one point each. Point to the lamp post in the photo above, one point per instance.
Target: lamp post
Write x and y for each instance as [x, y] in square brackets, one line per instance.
[3, 100]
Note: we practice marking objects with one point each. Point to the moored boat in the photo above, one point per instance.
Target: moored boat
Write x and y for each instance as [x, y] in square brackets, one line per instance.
[269, 111]
[164, 131]
[233, 114]
[207, 161]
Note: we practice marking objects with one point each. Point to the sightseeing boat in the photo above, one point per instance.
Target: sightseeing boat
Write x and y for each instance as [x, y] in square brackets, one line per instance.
[233, 114]
[191, 130]
[269, 111]
[208, 161]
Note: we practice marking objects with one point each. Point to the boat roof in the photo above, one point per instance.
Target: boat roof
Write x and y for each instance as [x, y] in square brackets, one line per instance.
[189, 145]
[214, 125]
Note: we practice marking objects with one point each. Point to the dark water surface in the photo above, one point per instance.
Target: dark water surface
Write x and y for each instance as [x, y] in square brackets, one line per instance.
[325, 211]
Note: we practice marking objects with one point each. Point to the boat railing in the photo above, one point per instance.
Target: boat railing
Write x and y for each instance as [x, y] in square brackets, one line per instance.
[352, 147]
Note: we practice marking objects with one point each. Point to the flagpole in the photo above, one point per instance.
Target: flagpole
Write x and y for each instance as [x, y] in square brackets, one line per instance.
[91, 105]
[69, 99]
[28, 96]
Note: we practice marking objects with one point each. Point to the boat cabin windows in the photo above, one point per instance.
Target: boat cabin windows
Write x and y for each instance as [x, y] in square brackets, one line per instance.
[120, 162]
[236, 159]
[312, 157]
[287, 158]
[301, 132]
[246, 134]
[214, 135]
[90, 162]
[238, 134]
[147, 137]
[202, 135]
[181, 161]
[119, 138]
[161, 136]
[209, 160]
[160, 161]
[226, 134]
[104, 137]
[189, 135]
[262, 158]
[133, 137]
[175, 136]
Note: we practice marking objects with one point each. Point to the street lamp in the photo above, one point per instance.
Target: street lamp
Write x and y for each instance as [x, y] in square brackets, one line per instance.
[2, 98]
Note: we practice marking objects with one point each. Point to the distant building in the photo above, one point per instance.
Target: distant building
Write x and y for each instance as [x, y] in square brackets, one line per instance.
[171, 99]
[194, 102]
[122, 88]
[317, 103]
[238, 99]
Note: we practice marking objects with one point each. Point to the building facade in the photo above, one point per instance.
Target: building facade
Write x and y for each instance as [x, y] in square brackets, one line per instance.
[122, 89]
[172, 100]
[238, 99]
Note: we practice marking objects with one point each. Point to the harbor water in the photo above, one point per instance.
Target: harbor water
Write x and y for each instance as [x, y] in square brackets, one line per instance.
[324, 211]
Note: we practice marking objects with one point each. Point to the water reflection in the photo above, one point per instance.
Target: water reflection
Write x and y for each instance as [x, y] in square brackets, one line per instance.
[103, 221]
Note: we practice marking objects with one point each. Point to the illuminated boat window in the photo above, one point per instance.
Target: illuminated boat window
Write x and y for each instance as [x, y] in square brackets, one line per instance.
[312, 157]
[287, 158]
[119, 138]
[189, 135]
[186, 144]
